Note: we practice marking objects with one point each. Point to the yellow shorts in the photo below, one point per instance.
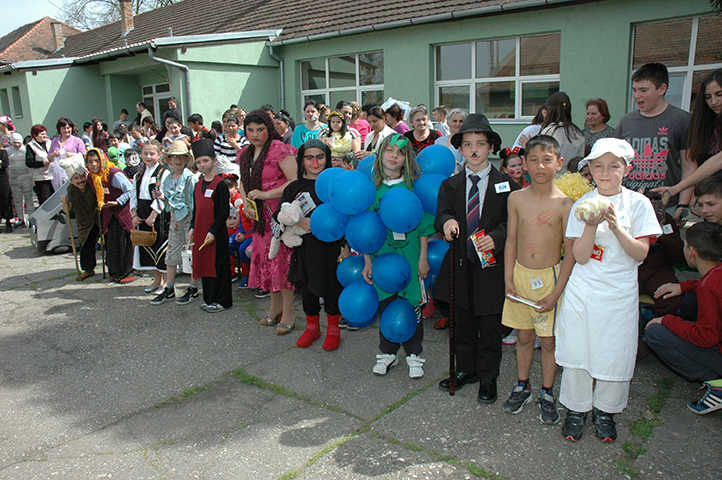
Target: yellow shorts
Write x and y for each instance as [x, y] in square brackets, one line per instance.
[533, 285]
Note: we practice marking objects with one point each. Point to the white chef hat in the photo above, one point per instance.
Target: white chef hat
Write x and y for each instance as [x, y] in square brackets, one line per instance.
[73, 165]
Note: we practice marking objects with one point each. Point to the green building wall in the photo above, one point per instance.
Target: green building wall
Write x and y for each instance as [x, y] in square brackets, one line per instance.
[595, 51]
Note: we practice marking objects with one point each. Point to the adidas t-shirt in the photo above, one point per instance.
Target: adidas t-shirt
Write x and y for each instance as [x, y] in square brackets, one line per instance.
[657, 142]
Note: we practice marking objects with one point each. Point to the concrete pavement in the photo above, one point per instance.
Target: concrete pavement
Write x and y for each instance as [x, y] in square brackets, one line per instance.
[96, 383]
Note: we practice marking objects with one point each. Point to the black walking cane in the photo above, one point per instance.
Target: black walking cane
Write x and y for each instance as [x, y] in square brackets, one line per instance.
[102, 241]
[452, 319]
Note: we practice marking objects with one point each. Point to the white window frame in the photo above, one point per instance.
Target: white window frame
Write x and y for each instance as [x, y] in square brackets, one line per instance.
[518, 79]
[687, 70]
[156, 97]
[326, 92]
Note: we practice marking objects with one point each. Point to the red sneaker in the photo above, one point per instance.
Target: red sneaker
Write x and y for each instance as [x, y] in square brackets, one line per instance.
[128, 279]
[442, 324]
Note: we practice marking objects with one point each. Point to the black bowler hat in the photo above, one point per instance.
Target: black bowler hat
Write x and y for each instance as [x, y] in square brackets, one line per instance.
[203, 148]
[477, 123]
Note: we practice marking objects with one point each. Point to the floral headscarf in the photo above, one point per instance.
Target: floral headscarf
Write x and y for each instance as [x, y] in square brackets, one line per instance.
[100, 179]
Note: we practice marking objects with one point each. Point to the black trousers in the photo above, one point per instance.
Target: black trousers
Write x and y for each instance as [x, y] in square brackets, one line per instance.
[218, 289]
[87, 250]
[43, 189]
[413, 345]
[312, 305]
[478, 340]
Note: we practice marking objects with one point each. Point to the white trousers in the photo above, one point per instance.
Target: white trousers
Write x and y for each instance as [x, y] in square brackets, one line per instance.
[22, 187]
[580, 392]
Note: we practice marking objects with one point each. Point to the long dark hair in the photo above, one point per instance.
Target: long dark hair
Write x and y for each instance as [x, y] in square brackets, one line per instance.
[98, 136]
[704, 121]
[251, 171]
[313, 143]
[559, 114]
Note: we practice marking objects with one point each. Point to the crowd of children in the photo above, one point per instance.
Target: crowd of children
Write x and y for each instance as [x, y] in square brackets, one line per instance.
[560, 272]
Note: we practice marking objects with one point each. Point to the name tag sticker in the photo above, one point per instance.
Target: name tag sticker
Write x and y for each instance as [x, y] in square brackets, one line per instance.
[106, 190]
[667, 229]
[502, 187]
[209, 193]
[399, 236]
[536, 283]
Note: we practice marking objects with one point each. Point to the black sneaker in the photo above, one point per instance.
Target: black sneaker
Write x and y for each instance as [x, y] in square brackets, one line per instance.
[519, 397]
[190, 295]
[549, 414]
[574, 425]
[604, 425]
[167, 294]
[263, 294]
[342, 323]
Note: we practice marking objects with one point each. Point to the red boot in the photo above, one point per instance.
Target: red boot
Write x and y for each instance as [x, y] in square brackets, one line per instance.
[313, 331]
[333, 334]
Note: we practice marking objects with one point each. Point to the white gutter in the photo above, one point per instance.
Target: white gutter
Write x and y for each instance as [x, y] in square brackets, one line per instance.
[214, 37]
[283, 80]
[186, 71]
[500, 8]
[32, 64]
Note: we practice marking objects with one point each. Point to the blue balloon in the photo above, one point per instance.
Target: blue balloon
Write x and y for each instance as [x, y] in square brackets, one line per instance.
[366, 166]
[436, 251]
[350, 270]
[427, 189]
[398, 321]
[391, 272]
[351, 192]
[327, 223]
[323, 182]
[436, 159]
[365, 232]
[400, 210]
[358, 304]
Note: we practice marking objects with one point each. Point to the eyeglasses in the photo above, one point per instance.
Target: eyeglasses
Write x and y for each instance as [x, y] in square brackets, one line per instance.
[321, 156]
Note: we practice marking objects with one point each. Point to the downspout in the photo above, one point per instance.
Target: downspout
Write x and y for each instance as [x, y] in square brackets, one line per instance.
[186, 71]
[283, 80]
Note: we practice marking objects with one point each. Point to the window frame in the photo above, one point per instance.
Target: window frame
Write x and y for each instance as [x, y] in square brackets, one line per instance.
[328, 91]
[518, 79]
[687, 71]
[155, 98]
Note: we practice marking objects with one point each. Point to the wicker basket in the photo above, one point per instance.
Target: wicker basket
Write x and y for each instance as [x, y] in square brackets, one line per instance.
[143, 238]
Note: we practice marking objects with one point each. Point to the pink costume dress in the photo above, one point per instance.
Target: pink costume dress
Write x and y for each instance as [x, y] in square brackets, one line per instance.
[271, 275]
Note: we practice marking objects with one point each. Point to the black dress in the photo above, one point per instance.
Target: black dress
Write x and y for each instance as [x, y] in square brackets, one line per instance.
[6, 197]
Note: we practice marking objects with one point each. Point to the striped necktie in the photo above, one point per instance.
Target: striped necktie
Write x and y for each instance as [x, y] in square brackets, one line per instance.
[472, 215]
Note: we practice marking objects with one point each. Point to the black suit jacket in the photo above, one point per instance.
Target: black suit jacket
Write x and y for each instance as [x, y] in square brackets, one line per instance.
[487, 283]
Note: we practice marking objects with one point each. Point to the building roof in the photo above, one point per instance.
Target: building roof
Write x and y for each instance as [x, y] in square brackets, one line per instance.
[33, 41]
[299, 20]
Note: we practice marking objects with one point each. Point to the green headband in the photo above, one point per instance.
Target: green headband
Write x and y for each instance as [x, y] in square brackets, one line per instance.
[398, 140]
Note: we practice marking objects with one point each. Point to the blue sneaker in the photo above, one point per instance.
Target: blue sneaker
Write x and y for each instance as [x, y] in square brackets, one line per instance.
[243, 284]
[711, 401]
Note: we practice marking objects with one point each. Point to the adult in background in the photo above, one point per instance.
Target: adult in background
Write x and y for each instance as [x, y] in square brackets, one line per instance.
[310, 128]
[395, 119]
[64, 145]
[533, 129]
[143, 112]
[455, 120]
[21, 180]
[705, 133]
[558, 124]
[379, 130]
[281, 122]
[597, 118]
[36, 158]
[421, 136]
[99, 135]
[267, 166]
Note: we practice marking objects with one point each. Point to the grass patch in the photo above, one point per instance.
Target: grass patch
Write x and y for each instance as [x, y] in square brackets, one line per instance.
[642, 428]
[633, 448]
[624, 465]
[184, 395]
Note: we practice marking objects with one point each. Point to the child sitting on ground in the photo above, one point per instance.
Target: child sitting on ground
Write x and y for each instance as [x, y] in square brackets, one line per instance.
[597, 328]
[709, 199]
[234, 210]
[532, 270]
[691, 343]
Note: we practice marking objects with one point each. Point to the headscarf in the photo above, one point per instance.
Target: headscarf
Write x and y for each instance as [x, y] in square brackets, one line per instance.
[6, 120]
[100, 179]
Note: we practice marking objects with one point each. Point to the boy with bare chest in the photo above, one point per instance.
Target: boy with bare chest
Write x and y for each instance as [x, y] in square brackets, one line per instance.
[533, 273]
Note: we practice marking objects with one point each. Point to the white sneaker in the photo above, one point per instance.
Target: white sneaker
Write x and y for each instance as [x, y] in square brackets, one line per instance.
[384, 361]
[510, 339]
[416, 366]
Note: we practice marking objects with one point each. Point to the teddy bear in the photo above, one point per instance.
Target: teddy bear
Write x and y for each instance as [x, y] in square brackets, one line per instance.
[288, 218]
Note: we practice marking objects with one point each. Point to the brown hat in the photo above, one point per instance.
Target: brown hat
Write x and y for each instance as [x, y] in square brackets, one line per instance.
[477, 123]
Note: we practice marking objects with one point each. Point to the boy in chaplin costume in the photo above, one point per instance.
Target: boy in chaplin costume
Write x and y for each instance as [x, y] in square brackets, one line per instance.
[208, 231]
[469, 204]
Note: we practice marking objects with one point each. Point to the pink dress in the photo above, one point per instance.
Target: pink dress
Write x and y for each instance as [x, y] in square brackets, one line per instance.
[271, 275]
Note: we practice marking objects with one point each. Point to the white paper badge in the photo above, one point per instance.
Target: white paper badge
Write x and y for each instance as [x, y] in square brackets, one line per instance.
[399, 236]
[667, 229]
[209, 193]
[536, 283]
[106, 190]
[502, 187]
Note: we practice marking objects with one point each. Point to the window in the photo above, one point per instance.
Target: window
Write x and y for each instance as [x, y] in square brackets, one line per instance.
[508, 78]
[690, 48]
[17, 103]
[4, 102]
[156, 98]
[347, 77]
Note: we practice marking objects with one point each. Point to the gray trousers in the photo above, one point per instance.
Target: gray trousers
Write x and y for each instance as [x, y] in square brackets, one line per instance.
[22, 187]
[685, 358]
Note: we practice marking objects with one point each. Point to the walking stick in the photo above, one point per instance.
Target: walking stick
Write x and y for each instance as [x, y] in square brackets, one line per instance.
[452, 320]
[66, 209]
[102, 241]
